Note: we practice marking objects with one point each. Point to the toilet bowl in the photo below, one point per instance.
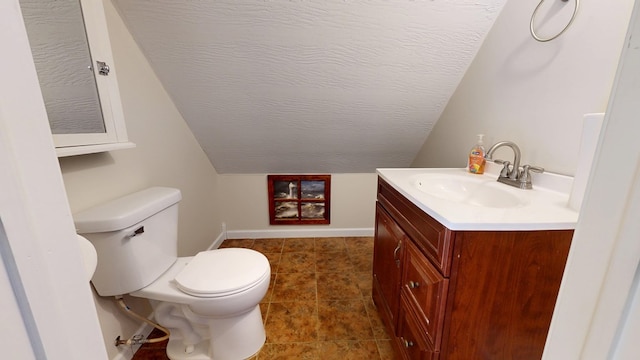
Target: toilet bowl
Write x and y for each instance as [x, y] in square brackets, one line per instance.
[222, 282]
[209, 302]
[218, 292]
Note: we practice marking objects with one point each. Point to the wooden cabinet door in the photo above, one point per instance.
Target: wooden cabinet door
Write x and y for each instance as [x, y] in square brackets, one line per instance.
[388, 252]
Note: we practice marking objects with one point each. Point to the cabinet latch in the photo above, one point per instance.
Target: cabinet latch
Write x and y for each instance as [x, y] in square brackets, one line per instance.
[103, 68]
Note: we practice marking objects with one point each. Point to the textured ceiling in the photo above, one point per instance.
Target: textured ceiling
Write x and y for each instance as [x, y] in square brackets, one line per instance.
[309, 86]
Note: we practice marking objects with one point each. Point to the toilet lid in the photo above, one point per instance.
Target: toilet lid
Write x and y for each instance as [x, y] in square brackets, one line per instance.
[222, 272]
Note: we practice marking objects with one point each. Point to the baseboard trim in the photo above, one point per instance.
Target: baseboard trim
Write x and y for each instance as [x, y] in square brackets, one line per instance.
[127, 352]
[293, 233]
[218, 241]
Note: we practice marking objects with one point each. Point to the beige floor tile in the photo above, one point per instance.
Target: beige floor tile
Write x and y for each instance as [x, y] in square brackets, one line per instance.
[333, 261]
[294, 287]
[348, 350]
[337, 285]
[364, 243]
[330, 244]
[292, 322]
[299, 245]
[291, 351]
[297, 262]
[343, 320]
[362, 261]
[268, 245]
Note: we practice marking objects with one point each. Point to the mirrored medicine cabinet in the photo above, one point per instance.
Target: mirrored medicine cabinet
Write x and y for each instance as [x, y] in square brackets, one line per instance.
[72, 54]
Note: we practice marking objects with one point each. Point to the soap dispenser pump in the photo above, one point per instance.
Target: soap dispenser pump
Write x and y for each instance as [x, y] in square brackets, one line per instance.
[477, 161]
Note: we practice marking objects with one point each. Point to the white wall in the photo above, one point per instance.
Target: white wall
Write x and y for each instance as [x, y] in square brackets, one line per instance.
[166, 154]
[246, 210]
[533, 93]
[596, 316]
[38, 244]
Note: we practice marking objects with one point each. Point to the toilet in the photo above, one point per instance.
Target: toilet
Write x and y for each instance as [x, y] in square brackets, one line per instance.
[209, 302]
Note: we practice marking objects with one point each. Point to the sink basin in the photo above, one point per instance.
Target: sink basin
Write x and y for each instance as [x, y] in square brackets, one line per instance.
[463, 201]
[471, 189]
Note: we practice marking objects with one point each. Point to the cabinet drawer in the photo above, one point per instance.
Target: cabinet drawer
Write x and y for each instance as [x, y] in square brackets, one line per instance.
[411, 340]
[426, 292]
[431, 237]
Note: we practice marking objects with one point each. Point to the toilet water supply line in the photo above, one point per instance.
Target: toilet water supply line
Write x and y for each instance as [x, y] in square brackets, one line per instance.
[137, 339]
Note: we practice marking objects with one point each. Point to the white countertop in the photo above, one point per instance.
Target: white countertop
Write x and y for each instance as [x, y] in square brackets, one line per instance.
[545, 207]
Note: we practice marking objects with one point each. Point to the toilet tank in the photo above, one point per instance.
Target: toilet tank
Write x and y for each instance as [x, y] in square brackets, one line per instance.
[135, 236]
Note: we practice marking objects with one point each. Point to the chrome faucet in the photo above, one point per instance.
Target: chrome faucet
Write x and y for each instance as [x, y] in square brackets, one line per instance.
[513, 175]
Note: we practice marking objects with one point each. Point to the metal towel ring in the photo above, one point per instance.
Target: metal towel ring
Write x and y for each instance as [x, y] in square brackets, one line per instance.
[533, 32]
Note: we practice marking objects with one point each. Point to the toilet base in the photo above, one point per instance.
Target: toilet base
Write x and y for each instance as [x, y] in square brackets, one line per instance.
[234, 338]
[175, 351]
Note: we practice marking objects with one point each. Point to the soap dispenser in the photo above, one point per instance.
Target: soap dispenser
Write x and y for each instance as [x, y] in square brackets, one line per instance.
[476, 157]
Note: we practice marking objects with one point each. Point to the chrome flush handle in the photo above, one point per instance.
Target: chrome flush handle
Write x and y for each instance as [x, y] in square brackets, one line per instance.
[137, 231]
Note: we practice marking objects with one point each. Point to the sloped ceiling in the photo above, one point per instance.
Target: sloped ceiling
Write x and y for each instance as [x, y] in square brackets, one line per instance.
[317, 86]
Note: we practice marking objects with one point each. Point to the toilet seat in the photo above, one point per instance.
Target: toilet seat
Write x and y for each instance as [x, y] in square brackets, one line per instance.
[222, 272]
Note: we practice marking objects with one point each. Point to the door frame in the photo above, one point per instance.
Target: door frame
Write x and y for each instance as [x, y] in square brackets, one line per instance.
[598, 309]
[39, 233]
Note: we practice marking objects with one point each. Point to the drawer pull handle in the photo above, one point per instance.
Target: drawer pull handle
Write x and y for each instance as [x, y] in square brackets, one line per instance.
[414, 284]
[395, 253]
[407, 343]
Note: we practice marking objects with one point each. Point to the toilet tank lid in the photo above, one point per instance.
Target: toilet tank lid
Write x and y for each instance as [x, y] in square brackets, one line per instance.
[125, 211]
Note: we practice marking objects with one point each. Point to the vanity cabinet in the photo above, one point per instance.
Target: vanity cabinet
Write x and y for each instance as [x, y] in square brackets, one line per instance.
[460, 295]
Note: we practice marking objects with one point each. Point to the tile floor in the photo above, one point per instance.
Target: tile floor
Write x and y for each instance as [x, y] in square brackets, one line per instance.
[318, 305]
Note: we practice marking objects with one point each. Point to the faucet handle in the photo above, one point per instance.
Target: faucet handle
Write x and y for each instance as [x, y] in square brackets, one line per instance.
[525, 176]
[531, 168]
[505, 169]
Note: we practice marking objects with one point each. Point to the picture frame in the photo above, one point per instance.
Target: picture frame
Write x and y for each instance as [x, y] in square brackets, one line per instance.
[299, 199]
